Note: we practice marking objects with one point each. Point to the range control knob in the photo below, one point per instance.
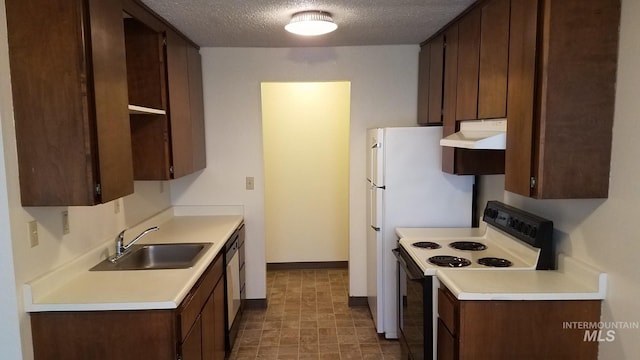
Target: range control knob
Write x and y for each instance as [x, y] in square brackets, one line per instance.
[533, 232]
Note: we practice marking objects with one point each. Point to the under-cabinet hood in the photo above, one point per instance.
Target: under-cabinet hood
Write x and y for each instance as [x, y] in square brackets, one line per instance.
[479, 134]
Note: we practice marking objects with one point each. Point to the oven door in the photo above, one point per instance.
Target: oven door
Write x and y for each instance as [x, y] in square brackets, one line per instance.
[415, 309]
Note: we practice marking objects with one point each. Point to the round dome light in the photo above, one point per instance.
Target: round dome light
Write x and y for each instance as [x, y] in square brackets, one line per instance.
[311, 23]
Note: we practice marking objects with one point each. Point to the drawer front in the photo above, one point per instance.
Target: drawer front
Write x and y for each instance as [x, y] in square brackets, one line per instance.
[448, 310]
[190, 308]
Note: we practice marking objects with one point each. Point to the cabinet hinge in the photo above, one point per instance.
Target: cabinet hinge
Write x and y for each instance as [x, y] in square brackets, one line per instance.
[171, 169]
[532, 183]
[98, 189]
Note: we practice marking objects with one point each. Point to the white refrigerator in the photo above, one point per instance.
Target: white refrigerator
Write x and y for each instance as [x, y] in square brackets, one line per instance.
[407, 188]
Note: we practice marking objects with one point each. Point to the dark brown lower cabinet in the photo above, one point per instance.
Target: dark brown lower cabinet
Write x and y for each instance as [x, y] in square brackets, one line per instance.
[487, 329]
[193, 331]
[192, 346]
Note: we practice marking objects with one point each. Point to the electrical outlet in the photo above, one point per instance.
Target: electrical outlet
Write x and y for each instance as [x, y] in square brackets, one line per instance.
[33, 233]
[65, 222]
[249, 184]
[116, 206]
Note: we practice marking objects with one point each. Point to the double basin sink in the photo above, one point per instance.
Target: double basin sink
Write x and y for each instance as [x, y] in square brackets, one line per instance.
[156, 256]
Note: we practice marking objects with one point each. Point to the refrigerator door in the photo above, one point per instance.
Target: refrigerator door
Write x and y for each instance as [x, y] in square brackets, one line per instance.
[375, 255]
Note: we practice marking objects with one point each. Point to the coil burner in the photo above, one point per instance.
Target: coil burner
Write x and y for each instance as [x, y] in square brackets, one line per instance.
[449, 261]
[468, 245]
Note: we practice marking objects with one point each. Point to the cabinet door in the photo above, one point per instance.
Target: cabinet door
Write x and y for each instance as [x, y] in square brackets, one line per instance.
[423, 85]
[191, 348]
[436, 70]
[446, 343]
[449, 95]
[196, 101]
[179, 106]
[494, 58]
[521, 95]
[468, 66]
[213, 330]
[72, 143]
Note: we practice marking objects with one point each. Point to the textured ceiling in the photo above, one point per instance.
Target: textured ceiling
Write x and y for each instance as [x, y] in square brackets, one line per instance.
[260, 23]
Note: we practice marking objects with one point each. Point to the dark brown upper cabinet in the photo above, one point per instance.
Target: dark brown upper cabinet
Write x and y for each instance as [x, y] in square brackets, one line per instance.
[68, 74]
[483, 50]
[424, 60]
[562, 73]
[455, 160]
[494, 60]
[468, 66]
[170, 143]
[431, 73]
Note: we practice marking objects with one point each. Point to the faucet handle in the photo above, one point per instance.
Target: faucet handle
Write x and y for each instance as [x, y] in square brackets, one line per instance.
[120, 242]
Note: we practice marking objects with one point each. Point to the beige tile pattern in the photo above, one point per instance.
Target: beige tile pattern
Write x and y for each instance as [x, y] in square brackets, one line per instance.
[308, 317]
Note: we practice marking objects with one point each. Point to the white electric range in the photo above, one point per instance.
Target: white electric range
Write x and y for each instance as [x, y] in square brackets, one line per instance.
[508, 239]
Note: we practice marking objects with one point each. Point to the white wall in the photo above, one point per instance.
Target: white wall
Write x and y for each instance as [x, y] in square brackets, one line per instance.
[383, 93]
[90, 226]
[605, 232]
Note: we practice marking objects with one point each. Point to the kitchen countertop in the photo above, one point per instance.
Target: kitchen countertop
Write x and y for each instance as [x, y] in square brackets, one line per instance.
[74, 288]
[573, 280]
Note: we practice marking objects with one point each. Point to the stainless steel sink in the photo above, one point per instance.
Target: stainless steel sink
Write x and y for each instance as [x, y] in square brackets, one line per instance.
[156, 256]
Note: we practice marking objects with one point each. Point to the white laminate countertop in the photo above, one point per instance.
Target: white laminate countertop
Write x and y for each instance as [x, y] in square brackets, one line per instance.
[573, 280]
[74, 288]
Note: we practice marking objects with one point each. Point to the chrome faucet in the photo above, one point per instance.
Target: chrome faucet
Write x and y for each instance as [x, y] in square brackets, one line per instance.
[121, 249]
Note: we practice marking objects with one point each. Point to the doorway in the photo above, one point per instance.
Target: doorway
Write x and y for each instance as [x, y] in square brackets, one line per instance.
[306, 171]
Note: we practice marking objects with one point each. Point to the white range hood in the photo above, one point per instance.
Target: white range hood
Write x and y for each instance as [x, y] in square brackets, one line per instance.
[479, 134]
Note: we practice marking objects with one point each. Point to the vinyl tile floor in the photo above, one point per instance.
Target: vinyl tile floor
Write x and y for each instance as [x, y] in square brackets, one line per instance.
[308, 317]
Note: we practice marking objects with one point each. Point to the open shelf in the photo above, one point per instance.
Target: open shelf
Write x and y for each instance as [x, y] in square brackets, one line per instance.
[141, 110]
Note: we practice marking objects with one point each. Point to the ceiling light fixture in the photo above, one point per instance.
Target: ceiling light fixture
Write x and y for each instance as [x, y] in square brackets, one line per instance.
[311, 23]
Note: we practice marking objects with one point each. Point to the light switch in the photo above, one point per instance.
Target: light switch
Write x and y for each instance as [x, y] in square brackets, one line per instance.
[249, 183]
[33, 233]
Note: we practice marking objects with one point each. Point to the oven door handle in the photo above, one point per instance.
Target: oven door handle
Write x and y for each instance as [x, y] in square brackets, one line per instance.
[409, 266]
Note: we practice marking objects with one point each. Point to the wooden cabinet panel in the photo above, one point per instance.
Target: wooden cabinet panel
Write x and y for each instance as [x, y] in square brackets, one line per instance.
[196, 100]
[521, 95]
[423, 84]
[150, 132]
[436, 73]
[179, 106]
[505, 330]
[449, 95]
[468, 66]
[219, 314]
[526, 330]
[191, 348]
[494, 59]
[446, 343]
[72, 143]
[104, 335]
[561, 97]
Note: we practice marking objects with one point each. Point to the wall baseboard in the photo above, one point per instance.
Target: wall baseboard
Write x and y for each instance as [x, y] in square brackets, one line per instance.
[255, 303]
[358, 301]
[308, 265]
